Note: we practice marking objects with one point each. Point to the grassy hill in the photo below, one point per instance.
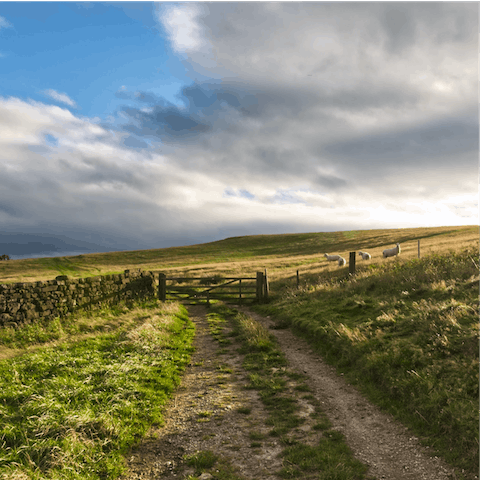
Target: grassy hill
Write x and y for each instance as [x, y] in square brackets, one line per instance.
[246, 254]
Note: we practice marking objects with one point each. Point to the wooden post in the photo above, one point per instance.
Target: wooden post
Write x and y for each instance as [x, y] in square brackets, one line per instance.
[260, 287]
[208, 298]
[351, 263]
[240, 290]
[419, 249]
[162, 287]
[298, 280]
[266, 290]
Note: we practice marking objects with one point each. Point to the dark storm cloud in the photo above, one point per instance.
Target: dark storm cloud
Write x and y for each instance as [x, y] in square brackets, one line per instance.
[163, 122]
[330, 182]
[435, 143]
[403, 23]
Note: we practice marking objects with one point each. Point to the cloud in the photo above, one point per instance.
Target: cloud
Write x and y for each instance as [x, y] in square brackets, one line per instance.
[435, 142]
[60, 97]
[304, 117]
[4, 23]
[134, 142]
[183, 27]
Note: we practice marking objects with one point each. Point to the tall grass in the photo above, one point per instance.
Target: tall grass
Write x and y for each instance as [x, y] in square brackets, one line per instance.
[72, 410]
[407, 333]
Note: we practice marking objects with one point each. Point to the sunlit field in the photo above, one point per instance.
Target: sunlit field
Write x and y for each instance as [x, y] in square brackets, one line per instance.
[282, 255]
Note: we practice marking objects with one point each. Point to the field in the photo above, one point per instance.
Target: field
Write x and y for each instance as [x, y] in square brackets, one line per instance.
[404, 330]
[280, 254]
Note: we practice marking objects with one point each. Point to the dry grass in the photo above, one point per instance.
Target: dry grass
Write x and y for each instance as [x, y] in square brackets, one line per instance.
[282, 255]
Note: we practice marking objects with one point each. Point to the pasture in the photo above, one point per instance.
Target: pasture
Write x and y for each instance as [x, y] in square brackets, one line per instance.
[403, 329]
[282, 255]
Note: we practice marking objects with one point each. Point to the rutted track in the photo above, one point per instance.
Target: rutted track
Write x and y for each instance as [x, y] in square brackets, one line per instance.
[379, 441]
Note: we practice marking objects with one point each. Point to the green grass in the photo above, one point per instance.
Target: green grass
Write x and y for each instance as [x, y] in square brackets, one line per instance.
[406, 332]
[330, 459]
[244, 410]
[90, 322]
[71, 411]
[202, 460]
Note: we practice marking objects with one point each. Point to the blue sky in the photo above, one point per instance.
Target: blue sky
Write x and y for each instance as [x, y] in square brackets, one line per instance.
[89, 50]
[143, 125]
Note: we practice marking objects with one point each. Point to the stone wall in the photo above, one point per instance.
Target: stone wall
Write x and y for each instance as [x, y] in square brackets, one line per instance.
[29, 302]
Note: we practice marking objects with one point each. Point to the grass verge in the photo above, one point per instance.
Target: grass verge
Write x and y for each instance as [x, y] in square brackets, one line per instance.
[70, 411]
[406, 332]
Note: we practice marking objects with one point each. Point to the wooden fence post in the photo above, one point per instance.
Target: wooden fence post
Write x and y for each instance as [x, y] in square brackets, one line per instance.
[162, 287]
[419, 249]
[351, 263]
[298, 280]
[266, 290]
[240, 290]
[260, 287]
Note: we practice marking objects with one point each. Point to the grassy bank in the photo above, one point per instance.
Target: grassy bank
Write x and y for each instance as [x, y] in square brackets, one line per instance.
[406, 332]
[71, 408]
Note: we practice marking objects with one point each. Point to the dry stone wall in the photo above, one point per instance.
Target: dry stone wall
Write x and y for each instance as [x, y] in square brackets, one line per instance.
[28, 302]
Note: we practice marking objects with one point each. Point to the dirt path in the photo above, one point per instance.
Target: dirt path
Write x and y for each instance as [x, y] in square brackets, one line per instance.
[203, 415]
[376, 438]
[213, 411]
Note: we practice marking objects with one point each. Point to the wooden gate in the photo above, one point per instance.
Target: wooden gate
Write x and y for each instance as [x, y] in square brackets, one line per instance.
[230, 289]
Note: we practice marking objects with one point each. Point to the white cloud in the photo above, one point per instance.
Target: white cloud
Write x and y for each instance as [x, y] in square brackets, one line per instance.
[4, 23]
[60, 97]
[182, 26]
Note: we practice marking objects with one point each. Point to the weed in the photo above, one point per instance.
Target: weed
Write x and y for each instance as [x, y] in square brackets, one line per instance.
[202, 460]
[244, 410]
[205, 414]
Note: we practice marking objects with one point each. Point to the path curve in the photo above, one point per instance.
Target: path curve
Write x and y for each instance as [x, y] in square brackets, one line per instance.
[376, 438]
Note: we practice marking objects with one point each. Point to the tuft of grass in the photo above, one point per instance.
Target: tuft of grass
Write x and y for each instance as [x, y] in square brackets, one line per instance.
[202, 460]
[330, 459]
[244, 410]
[256, 436]
[205, 414]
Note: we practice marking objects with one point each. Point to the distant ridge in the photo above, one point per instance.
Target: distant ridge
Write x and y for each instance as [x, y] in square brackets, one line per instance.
[25, 245]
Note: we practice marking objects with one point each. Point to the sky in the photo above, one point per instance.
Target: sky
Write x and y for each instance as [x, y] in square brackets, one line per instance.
[147, 125]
